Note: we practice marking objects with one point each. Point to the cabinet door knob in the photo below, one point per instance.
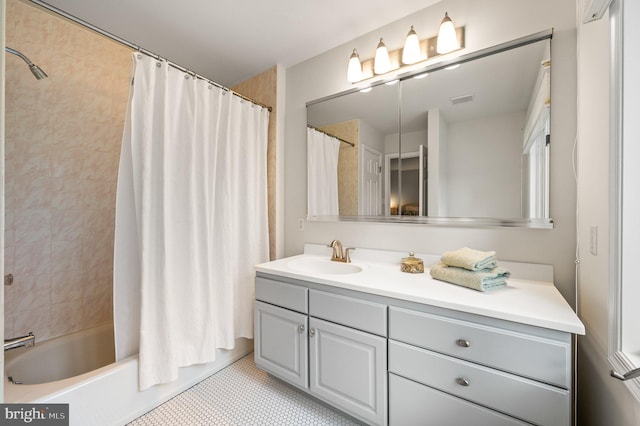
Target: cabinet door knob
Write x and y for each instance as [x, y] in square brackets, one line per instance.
[301, 328]
[462, 381]
[463, 343]
[312, 332]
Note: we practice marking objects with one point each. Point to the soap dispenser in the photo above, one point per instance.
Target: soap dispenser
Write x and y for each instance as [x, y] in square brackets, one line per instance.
[412, 265]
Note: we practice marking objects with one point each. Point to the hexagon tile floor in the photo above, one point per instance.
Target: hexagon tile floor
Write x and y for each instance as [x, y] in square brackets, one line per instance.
[242, 395]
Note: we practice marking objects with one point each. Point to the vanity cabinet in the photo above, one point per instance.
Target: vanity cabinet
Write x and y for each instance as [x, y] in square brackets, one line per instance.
[280, 344]
[521, 372]
[387, 360]
[326, 344]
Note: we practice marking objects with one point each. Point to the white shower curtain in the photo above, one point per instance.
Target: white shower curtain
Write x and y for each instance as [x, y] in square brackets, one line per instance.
[322, 173]
[191, 220]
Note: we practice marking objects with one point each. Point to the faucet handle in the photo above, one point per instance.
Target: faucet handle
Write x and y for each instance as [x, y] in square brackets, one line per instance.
[347, 251]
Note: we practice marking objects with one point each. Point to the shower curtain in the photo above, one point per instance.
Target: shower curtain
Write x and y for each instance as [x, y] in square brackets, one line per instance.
[191, 220]
[322, 173]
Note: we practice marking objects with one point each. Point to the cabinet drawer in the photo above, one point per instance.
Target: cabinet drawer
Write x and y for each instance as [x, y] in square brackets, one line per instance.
[360, 314]
[282, 294]
[531, 356]
[522, 398]
[413, 404]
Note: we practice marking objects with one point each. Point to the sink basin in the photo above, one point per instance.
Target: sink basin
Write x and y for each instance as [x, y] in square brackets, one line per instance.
[323, 266]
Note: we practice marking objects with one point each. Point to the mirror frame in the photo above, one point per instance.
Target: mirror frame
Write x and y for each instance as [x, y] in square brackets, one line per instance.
[540, 223]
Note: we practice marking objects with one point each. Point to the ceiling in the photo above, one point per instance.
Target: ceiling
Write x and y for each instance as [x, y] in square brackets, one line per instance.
[229, 41]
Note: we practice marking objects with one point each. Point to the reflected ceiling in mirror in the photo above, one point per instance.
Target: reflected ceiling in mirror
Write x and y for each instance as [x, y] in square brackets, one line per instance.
[467, 143]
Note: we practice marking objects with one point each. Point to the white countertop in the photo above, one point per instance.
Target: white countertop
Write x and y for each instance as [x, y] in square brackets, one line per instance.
[529, 298]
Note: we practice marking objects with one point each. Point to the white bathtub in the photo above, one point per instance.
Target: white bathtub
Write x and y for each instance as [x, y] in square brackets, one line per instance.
[107, 394]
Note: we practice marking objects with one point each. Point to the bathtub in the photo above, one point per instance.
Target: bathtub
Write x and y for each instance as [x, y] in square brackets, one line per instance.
[78, 369]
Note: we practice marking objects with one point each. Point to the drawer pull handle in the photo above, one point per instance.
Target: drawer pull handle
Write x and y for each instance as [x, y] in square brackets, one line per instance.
[301, 328]
[462, 381]
[312, 332]
[463, 343]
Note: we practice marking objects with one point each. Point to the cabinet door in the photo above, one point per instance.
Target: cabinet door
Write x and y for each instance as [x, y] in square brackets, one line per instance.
[280, 343]
[348, 370]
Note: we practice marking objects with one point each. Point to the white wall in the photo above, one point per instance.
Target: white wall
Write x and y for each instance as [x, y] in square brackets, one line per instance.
[487, 23]
[601, 399]
[370, 136]
[477, 180]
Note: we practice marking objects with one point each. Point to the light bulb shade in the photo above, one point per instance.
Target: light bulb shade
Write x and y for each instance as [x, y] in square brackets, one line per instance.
[411, 49]
[354, 69]
[447, 37]
[381, 63]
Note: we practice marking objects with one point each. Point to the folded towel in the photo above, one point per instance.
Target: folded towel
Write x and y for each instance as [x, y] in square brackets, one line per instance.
[487, 280]
[473, 260]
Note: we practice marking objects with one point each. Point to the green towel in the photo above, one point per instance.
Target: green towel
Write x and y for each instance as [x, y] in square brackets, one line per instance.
[473, 260]
[487, 280]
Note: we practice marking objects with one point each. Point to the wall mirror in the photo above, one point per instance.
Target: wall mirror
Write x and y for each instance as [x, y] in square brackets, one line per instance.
[462, 141]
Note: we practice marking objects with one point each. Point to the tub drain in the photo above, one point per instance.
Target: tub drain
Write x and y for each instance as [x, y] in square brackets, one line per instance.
[14, 382]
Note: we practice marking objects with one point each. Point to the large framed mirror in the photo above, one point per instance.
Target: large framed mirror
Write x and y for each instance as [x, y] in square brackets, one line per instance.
[463, 141]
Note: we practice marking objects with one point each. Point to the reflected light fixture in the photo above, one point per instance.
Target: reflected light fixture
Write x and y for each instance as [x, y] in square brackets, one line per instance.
[411, 49]
[354, 70]
[381, 63]
[447, 38]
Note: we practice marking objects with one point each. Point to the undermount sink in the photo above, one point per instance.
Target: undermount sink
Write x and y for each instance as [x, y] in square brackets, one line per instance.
[323, 266]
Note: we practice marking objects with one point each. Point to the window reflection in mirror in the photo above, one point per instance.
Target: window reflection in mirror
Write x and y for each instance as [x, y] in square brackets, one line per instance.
[468, 142]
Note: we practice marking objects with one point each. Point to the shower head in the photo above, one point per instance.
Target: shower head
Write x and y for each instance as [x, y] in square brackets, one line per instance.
[35, 70]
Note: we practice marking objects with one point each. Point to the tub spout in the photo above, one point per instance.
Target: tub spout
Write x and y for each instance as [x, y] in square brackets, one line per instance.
[19, 342]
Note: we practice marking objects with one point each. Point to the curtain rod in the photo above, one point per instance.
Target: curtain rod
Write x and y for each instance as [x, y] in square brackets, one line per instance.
[330, 135]
[141, 50]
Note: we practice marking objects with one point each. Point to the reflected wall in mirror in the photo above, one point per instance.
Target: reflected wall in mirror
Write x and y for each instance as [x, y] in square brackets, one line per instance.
[466, 141]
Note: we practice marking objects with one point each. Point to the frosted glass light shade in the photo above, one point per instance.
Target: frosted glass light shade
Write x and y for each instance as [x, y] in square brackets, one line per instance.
[381, 63]
[354, 70]
[447, 38]
[411, 49]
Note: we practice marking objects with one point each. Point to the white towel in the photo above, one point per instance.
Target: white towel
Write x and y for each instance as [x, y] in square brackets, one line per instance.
[467, 258]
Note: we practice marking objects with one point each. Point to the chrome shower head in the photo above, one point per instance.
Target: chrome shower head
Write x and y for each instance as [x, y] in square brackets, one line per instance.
[35, 70]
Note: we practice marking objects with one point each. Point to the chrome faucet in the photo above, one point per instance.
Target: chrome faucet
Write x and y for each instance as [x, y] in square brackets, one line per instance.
[337, 255]
[17, 342]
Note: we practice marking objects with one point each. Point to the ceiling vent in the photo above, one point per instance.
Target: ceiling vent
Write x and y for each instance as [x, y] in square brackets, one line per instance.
[462, 99]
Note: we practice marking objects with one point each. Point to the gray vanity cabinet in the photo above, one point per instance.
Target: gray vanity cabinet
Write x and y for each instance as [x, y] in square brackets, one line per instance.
[348, 369]
[332, 346]
[390, 361]
[280, 344]
[517, 370]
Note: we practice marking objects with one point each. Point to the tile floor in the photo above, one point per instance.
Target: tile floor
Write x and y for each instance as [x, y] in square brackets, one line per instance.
[242, 395]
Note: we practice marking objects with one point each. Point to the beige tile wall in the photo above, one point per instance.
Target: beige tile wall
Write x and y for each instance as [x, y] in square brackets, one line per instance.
[347, 165]
[264, 89]
[63, 138]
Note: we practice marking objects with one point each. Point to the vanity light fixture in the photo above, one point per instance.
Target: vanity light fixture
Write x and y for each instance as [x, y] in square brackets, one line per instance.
[354, 71]
[410, 58]
[447, 38]
[381, 63]
[411, 49]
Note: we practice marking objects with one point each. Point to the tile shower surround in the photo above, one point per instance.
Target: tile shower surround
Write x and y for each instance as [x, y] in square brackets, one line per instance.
[62, 145]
